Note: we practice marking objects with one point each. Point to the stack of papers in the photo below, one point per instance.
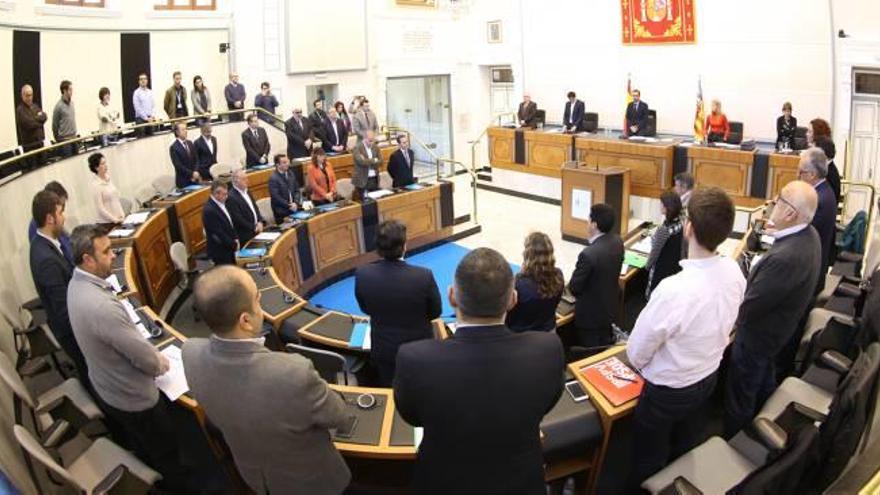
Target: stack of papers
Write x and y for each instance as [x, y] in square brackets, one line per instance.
[643, 246]
[118, 233]
[381, 193]
[267, 236]
[173, 383]
[136, 218]
[133, 316]
[114, 282]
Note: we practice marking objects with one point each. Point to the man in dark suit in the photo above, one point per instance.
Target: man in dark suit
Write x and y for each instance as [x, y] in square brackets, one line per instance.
[778, 291]
[235, 378]
[574, 113]
[51, 272]
[336, 134]
[243, 209]
[284, 193]
[636, 115]
[401, 162]
[367, 160]
[813, 169]
[480, 395]
[206, 152]
[299, 135]
[527, 113]
[30, 120]
[256, 143]
[595, 279]
[318, 119]
[401, 299]
[183, 157]
[220, 234]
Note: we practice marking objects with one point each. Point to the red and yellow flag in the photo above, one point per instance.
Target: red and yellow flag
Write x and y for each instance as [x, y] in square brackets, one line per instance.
[700, 115]
[629, 99]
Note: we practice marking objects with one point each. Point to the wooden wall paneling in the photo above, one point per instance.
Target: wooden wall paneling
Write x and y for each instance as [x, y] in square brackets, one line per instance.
[650, 164]
[501, 147]
[783, 169]
[152, 246]
[336, 236]
[728, 169]
[547, 152]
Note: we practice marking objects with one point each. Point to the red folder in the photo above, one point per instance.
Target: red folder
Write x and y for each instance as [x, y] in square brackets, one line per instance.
[615, 380]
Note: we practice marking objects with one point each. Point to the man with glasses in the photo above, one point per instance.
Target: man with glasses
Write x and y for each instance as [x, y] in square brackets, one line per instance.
[299, 135]
[778, 292]
[813, 169]
[144, 106]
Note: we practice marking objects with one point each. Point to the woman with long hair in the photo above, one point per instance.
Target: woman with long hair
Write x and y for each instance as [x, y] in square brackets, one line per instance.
[343, 115]
[201, 100]
[666, 242]
[539, 286]
[321, 179]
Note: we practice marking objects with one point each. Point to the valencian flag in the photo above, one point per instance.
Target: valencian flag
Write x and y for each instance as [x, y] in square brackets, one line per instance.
[629, 99]
[700, 115]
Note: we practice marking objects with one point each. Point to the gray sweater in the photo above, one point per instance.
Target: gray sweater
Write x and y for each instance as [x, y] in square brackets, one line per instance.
[122, 364]
[63, 121]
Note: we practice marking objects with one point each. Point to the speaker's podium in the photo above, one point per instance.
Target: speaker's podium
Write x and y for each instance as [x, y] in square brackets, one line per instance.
[582, 187]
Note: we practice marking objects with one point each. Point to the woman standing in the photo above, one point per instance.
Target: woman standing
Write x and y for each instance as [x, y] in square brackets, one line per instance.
[785, 127]
[108, 118]
[666, 242]
[105, 195]
[343, 115]
[539, 287]
[201, 100]
[320, 179]
[717, 126]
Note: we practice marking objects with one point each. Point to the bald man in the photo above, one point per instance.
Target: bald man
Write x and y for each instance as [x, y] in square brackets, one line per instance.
[272, 407]
[779, 289]
[527, 113]
[29, 120]
[243, 209]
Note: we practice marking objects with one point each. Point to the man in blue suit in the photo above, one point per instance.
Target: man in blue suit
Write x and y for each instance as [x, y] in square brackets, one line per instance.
[400, 298]
[573, 116]
[220, 232]
[636, 116]
[283, 189]
[183, 157]
[813, 169]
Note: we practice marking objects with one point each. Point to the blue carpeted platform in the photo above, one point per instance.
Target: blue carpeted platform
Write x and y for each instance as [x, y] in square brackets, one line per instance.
[441, 260]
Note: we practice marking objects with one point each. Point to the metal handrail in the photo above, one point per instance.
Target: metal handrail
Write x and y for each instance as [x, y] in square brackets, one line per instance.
[496, 120]
[129, 127]
[441, 161]
[388, 129]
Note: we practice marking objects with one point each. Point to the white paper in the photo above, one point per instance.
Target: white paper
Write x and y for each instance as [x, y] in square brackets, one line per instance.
[451, 327]
[307, 205]
[114, 282]
[143, 330]
[173, 382]
[623, 269]
[581, 201]
[379, 194]
[121, 233]
[267, 236]
[643, 246]
[136, 218]
[418, 434]
[368, 339]
[129, 310]
[768, 239]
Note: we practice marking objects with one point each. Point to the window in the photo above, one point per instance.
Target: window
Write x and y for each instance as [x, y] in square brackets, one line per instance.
[77, 3]
[867, 83]
[186, 5]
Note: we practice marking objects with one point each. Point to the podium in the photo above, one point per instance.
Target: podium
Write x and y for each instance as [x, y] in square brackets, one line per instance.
[583, 187]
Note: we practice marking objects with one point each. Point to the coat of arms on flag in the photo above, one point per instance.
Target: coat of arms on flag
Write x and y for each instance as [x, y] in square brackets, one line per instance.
[658, 21]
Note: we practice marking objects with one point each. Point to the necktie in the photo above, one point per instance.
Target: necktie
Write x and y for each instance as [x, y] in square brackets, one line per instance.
[406, 157]
[369, 124]
[255, 132]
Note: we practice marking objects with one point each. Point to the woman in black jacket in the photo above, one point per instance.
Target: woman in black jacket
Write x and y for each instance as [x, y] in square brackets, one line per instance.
[539, 287]
[666, 242]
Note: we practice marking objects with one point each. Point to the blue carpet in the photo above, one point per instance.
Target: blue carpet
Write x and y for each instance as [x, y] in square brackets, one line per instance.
[441, 260]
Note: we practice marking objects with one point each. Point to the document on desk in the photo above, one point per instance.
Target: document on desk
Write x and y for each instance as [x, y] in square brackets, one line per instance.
[136, 218]
[643, 246]
[173, 382]
[113, 280]
[267, 236]
[381, 193]
[121, 233]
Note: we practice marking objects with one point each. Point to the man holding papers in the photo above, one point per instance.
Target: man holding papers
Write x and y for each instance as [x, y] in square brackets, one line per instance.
[122, 365]
[678, 339]
[272, 407]
[401, 299]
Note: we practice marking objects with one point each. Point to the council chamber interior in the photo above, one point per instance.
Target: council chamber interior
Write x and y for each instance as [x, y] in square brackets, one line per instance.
[439, 246]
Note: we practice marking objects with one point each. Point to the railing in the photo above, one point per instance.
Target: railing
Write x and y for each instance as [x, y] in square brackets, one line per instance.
[496, 120]
[441, 161]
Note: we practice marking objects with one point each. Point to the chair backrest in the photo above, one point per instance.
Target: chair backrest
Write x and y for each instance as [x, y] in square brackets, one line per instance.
[800, 138]
[264, 206]
[540, 117]
[219, 169]
[126, 205]
[652, 123]
[345, 188]
[144, 195]
[35, 450]
[591, 121]
[328, 364]
[736, 132]
[385, 180]
[783, 474]
[13, 381]
[164, 184]
[179, 256]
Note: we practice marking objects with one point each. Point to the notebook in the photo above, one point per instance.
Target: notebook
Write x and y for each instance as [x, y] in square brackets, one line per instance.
[615, 380]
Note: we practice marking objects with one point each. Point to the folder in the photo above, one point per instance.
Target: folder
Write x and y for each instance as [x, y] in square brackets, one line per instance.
[360, 336]
[616, 381]
[634, 259]
[251, 253]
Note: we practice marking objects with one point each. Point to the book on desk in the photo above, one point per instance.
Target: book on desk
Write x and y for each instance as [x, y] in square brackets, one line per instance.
[615, 380]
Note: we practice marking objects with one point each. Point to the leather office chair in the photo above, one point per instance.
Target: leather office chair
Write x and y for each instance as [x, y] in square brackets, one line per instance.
[330, 365]
[540, 118]
[736, 133]
[219, 169]
[345, 188]
[800, 138]
[164, 184]
[264, 206]
[385, 180]
[652, 124]
[591, 122]
[103, 467]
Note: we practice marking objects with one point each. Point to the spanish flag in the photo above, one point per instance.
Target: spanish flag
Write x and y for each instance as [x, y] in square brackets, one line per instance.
[629, 99]
[700, 115]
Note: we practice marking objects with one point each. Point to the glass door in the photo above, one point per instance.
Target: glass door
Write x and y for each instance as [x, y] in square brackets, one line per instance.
[422, 106]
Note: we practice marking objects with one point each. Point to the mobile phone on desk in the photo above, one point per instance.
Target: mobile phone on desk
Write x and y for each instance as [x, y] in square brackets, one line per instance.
[576, 391]
[347, 429]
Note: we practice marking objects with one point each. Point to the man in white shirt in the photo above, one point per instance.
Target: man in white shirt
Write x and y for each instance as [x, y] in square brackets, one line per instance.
[220, 233]
[243, 208]
[680, 336]
[367, 161]
[144, 106]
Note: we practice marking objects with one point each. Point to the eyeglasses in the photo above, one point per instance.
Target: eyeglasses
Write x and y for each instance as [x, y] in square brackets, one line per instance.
[787, 202]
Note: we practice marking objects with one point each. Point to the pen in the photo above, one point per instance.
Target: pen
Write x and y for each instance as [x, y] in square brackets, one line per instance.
[624, 378]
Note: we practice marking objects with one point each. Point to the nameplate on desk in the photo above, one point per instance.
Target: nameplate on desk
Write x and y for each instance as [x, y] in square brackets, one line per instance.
[251, 253]
[361, 336]
[616, 381]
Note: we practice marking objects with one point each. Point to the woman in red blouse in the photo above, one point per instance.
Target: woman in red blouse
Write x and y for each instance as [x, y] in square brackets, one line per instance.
[717, 127]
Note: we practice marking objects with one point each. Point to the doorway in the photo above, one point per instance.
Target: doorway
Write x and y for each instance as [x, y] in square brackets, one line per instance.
[865, 138]
[421, 105]
[328, 93]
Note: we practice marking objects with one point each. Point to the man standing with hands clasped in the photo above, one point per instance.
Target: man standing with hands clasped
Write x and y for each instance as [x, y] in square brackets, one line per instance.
[367, 161]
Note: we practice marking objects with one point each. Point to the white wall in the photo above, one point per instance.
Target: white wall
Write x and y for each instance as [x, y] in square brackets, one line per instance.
[7, 103]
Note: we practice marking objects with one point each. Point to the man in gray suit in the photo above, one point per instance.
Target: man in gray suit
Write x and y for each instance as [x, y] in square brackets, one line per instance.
[364, 120]
[367, 160]
[272, 407]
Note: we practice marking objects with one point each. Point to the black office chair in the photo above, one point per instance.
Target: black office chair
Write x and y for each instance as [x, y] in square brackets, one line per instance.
[591, 122]
[652, 124]
[800, 138]
[736, 133]
[328, 364]
[540, 118]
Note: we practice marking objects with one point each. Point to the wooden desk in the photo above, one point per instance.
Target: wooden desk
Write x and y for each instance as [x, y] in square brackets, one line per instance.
[650, 164]
[547, 152]
[501, 148]
[419, 211]
[783, 169]
[337, 238]
[608, 413]
[188, 209]
[343, 165]
[731, 170]
[151, 247]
